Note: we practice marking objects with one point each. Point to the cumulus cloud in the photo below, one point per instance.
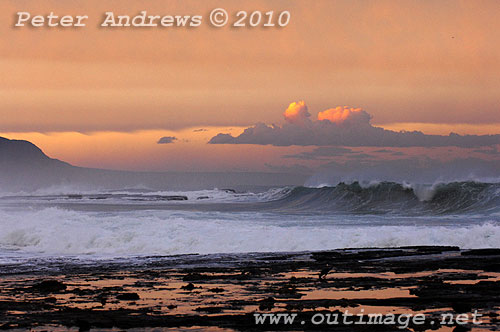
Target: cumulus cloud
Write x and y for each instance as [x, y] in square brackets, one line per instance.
[167, 140]
[345, 116]
[343, 126]
[297, 113]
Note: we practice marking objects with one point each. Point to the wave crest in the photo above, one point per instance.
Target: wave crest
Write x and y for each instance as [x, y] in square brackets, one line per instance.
[396, 198]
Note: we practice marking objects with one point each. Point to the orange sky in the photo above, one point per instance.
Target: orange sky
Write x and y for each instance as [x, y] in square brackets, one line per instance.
[416, 65]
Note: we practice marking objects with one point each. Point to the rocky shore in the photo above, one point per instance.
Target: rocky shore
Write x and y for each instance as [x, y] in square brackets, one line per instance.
[227, 292]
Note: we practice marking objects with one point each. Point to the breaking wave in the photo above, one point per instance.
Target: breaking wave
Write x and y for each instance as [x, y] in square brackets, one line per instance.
[144, 222]
[395, 198]
[54, 231]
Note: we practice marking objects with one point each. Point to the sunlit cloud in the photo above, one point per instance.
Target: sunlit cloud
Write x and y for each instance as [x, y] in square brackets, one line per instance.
[343, 126]
[297, 113]
[344, 115]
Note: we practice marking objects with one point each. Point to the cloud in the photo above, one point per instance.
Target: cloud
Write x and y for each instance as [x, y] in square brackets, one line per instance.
[343, 126]
[297, 113]
[199, 130]
[413, 169]
[345, 115]
[167, 140]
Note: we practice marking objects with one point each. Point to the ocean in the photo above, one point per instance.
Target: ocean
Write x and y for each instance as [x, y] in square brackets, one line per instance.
[131, 224]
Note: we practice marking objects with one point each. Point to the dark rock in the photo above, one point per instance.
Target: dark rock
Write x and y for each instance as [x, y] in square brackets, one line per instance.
[461, 307]
[128, 296]
[99, 197]
[49, 286]
[175, 198]
[188, 287]
[265, 277]
[83, 325]
[102, 298]
[216, 290]
[5, 326]
[210, 310]
[482, 252]
[267, 304]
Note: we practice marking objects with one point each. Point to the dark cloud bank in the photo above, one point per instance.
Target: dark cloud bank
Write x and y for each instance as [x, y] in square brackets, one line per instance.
[343, 127]
[415, 170]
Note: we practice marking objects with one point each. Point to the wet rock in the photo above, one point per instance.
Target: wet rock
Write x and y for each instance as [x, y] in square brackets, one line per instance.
[482, 252]
[128, 297]
[5, 326]
[288, 291]
[99, 197]
[188, 287]
[460, 328]
[49, 286]
[209, 310]
[175, 198]
[50, 299]
[461, 307]
[267, 304]
[83, 325]
[102, 298]
[269, 281]
[216, 290]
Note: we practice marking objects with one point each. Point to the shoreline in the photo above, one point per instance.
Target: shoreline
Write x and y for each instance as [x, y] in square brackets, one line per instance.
[224, 291]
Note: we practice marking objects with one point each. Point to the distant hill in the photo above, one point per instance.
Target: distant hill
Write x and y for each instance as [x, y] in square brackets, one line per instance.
[24, 167]
[23, 153]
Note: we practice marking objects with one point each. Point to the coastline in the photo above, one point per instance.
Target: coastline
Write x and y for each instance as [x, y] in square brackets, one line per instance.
[225, 291]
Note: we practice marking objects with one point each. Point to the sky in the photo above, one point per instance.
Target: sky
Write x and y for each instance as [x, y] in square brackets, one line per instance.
[105, 97]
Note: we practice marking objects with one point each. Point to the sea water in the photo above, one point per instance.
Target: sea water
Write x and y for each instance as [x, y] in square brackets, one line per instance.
[134, 223]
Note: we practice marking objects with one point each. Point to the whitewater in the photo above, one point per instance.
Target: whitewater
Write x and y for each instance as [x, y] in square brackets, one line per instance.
[110, 224]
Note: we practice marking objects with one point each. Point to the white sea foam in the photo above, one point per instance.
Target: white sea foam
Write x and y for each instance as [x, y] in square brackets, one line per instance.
[54, 231]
